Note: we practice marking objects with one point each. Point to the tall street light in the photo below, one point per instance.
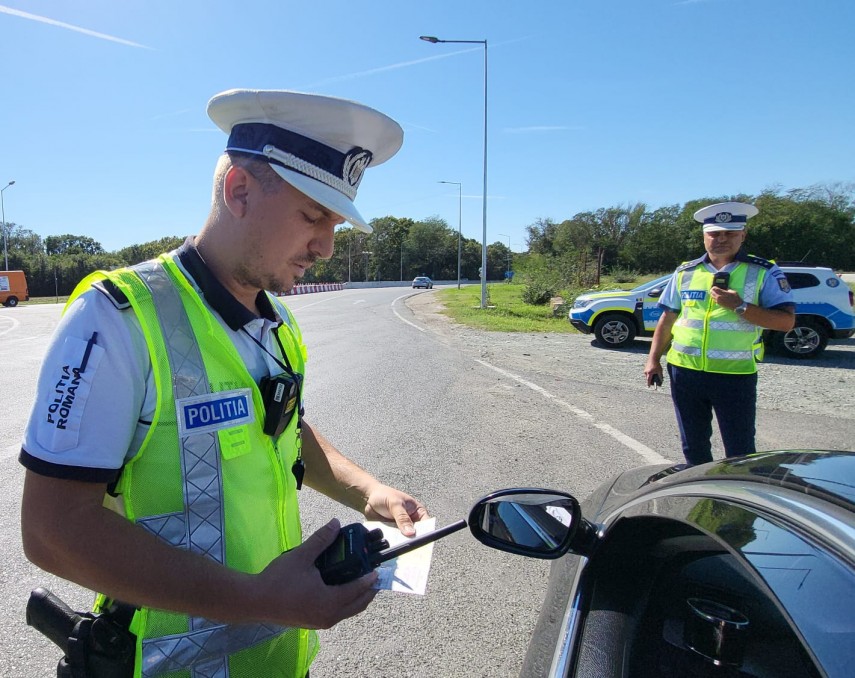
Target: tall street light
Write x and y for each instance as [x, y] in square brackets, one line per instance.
[459, 222]
[508, 277]
[3, 216]
[367, 254]
[432, 39]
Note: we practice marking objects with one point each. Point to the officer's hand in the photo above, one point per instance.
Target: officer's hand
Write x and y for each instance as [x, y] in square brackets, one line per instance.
[726, 298]
[653, 373]
[290, 590]
[387, 503]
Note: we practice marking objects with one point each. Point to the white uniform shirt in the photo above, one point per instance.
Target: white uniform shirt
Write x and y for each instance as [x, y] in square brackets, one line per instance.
[85, 425]
[774, 293]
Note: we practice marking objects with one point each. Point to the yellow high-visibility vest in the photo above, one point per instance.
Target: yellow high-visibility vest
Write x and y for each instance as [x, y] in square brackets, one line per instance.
[709, 337]
[207, 478]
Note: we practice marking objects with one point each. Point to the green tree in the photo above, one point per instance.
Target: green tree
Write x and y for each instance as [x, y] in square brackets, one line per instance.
[135, 254]
[72, 244]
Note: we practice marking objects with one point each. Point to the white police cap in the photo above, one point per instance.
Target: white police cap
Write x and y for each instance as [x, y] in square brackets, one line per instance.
[725, 216]
[320, 145]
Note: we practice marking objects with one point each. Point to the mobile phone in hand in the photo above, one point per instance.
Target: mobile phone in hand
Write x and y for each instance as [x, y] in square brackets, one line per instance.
[721, 280]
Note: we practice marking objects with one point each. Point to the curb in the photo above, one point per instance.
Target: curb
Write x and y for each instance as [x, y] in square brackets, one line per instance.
[310, 288]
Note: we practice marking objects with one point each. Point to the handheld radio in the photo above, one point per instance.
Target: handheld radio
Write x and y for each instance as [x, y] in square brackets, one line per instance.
[357, 550]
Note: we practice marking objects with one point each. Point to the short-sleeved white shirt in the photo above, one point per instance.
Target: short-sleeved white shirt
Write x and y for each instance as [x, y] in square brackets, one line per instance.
[773, 292]
[96, 394]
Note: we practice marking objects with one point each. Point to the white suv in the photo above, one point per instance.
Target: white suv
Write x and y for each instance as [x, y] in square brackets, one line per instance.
[823, 311]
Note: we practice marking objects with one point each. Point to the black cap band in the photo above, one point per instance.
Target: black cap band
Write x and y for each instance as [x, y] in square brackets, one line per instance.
[344, 169]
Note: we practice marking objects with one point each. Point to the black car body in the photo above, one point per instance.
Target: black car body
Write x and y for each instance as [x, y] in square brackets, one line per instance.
[744, 567]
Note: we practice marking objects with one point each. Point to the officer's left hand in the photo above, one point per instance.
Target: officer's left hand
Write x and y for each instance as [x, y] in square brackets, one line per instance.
[726, 298]
[387, 503]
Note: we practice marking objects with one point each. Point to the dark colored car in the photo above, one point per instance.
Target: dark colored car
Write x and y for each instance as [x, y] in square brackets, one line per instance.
[739, 568]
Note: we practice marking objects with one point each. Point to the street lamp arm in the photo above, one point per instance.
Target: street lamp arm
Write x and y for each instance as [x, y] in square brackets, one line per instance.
[430, 38]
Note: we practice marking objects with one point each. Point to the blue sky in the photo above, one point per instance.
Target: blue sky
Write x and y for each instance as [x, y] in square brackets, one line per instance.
[591, 103]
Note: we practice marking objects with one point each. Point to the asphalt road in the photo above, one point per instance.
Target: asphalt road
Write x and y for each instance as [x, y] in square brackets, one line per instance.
[449, 414]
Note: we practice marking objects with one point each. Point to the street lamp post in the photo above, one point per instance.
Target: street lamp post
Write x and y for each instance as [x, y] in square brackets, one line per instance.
[3, 216]
[508, 276]
[367, 254]
[459, 222]
[434, 40]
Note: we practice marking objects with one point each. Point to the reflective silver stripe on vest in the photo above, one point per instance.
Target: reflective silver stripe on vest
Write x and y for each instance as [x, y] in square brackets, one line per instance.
[731, 355]
[686, 278]
[200, 452]
[693, 323]
[205, 649]
[738, 326]
[688, 350]
[749, 291]
[698, 324]
[173, 653]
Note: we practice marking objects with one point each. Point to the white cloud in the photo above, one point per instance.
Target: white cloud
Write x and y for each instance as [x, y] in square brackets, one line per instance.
[384, 69]
[70, 27]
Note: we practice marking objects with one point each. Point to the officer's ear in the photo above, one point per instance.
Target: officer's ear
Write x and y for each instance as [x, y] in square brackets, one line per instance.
[236, 186]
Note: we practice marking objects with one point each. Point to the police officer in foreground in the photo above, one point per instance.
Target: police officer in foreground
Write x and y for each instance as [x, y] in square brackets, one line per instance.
[167, 444]
[713, 312]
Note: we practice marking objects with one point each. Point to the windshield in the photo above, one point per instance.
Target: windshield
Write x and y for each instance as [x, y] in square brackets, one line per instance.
[659, 282]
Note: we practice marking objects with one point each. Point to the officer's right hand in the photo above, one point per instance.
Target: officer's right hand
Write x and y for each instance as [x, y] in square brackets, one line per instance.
[653, 371]
[290, 591]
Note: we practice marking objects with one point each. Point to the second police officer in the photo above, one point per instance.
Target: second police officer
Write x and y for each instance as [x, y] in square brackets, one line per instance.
[714, 309]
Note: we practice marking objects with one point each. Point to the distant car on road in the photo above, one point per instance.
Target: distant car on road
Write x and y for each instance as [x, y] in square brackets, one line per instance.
[422, 281]
[824, 310]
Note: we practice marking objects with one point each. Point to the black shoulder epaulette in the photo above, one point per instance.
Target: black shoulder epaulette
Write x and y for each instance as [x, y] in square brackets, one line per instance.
[108, 288]
[759, 261]
[689, 264]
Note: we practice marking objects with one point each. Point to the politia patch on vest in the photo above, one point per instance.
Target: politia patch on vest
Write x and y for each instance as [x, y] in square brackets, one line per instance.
[214, 411]
[693, 295]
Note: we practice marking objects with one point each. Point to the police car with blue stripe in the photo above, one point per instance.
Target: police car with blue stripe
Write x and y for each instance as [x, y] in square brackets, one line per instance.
[824, 311]
[616, 317]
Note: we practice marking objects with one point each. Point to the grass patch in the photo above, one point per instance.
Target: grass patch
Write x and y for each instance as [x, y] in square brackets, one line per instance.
[506, 311]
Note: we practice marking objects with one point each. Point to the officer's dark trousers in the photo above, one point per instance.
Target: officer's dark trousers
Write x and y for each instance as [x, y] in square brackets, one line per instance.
[697, 394]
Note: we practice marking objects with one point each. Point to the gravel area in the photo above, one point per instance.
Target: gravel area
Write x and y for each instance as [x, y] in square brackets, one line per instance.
[821, 386]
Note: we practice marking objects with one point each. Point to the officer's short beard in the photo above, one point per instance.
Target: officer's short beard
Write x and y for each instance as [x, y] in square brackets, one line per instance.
[249, 277]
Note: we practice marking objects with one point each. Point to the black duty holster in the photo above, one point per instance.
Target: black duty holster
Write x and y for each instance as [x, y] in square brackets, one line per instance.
[94, 645]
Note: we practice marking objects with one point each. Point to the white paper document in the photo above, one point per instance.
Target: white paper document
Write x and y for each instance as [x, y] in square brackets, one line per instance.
[408, 573]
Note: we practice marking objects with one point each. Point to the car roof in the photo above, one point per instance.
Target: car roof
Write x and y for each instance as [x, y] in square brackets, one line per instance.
[829, 474]
[800, 264]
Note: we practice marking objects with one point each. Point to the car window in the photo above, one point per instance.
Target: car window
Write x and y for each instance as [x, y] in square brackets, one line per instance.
[809, 582]
[659, 282]
[802, 280]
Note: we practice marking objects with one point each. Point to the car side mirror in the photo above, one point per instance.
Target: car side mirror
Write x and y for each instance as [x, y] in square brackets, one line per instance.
[532, 522]
[655, 293]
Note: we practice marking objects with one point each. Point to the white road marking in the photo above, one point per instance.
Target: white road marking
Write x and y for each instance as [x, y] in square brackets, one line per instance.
[295, 307]
[640, 449]
[649, 455]
[400, 317]
[14, 324]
